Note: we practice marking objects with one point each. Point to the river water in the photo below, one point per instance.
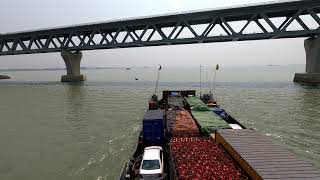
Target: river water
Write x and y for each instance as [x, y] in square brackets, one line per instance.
[52, 130]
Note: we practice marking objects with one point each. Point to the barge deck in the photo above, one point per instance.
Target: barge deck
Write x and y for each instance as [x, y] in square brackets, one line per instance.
[256, 155]
[263, 159]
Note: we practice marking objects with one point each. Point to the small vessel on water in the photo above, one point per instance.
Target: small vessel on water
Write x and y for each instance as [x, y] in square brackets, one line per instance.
[192, 137]
[4, 77]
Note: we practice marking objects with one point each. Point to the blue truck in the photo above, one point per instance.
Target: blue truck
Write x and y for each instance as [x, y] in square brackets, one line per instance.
[153, 127]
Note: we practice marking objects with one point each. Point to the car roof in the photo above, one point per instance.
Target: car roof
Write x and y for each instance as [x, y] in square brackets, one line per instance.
[151, 153]
[153, 147]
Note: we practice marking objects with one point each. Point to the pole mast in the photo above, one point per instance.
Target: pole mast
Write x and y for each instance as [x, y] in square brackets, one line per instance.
[214, 80]
[157, 84]
[200, 80]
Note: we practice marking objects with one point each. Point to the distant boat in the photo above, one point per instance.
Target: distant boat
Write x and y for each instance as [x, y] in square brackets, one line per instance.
[4, 77]
[128, 68]
[136, 79]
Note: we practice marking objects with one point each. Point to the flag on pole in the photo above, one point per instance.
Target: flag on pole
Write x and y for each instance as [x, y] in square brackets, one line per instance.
[217, 67]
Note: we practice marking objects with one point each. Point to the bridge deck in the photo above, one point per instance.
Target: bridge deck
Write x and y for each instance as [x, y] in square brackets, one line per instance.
[266, 21]
[263, 159]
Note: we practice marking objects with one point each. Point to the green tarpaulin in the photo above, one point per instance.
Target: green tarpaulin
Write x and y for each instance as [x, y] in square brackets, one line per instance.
[176, 101]
[209, 121]
[196, 104]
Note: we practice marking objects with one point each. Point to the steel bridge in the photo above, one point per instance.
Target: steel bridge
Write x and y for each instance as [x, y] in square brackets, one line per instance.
[268, 21]
[264, 21]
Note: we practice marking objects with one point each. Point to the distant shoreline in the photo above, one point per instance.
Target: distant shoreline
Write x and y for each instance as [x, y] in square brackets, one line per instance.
[82, 68]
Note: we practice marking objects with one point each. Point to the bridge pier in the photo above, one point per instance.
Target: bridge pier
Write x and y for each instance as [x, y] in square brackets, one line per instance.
[72, 61]
[312, 74]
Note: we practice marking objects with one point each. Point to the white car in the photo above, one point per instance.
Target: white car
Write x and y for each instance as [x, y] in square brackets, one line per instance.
[152, 163]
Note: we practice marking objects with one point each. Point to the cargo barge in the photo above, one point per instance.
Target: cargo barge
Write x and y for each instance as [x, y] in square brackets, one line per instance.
[184, 136]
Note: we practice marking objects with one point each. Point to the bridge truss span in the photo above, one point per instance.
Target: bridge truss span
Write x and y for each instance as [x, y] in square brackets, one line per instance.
[270, 21]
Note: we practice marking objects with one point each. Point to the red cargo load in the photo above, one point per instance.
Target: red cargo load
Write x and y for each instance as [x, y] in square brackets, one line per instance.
[185, 125]
[199, 158]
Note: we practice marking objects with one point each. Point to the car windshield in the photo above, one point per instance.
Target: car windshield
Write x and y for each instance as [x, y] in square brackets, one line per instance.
[150, 164]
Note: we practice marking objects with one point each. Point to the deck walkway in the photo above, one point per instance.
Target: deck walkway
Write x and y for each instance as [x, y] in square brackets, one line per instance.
[263, 159]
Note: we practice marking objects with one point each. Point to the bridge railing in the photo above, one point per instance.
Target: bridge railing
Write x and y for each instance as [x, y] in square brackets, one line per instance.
[271, 21]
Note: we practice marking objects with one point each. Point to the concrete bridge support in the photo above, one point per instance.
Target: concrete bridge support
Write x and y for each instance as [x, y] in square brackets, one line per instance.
[312, 74]
[72, 61]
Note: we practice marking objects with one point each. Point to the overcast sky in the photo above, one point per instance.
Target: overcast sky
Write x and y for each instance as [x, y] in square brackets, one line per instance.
[18, 15]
